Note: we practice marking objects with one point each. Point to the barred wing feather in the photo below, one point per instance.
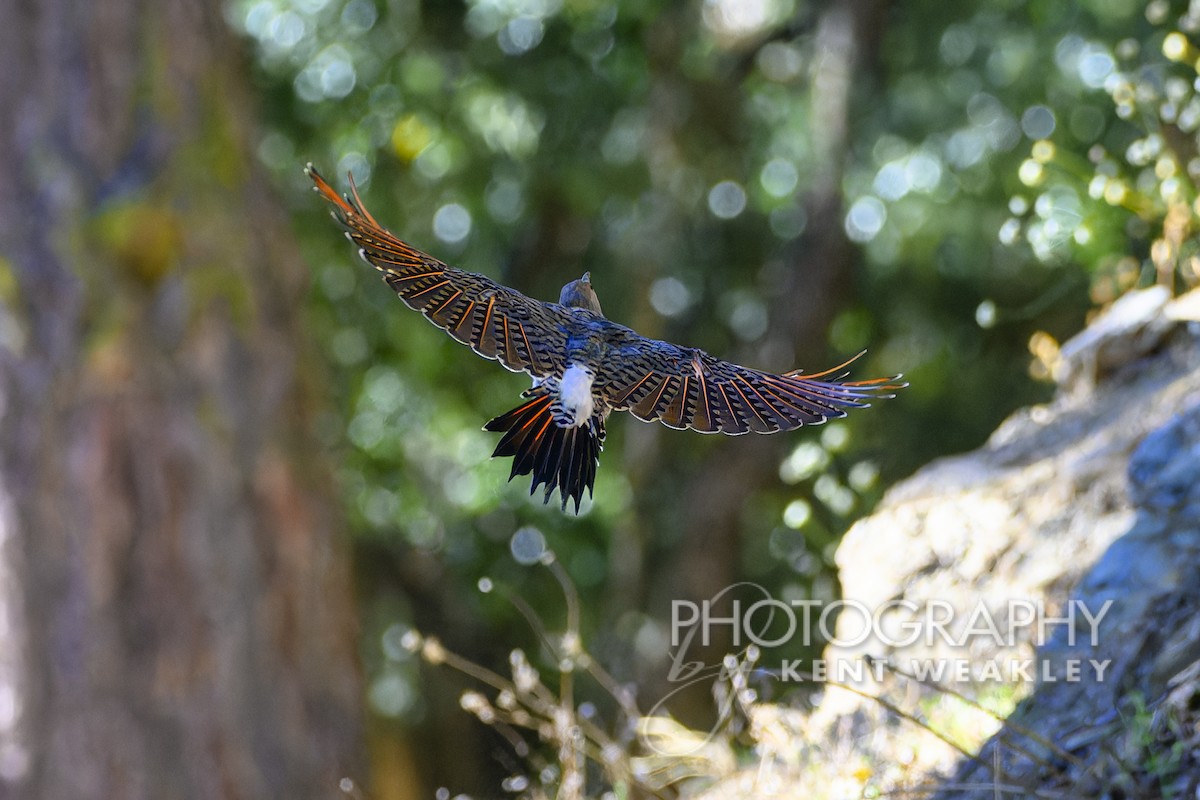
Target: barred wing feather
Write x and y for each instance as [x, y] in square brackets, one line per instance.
[523, 334]
[687, 388]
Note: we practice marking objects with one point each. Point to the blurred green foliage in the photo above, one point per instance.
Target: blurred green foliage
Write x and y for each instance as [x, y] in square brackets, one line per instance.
[1003, 160]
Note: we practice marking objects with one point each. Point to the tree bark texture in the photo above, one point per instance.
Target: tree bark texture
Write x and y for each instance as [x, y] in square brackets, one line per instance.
[175, 609]
[814, 283]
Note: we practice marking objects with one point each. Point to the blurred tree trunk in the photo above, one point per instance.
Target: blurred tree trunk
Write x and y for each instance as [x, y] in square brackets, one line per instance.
[175, 610]
[813, 286]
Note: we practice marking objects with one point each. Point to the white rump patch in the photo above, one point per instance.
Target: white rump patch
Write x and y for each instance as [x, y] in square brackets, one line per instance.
[575, 393]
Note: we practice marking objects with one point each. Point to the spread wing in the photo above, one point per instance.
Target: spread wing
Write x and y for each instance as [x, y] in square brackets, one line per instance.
[687, 388]
[523, 334]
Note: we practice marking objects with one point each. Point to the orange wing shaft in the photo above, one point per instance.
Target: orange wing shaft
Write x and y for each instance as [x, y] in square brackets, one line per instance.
[328, 192]
[345, 208]
[877, 383]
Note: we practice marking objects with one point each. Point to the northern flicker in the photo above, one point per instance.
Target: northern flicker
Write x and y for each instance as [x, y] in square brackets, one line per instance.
[584, 366]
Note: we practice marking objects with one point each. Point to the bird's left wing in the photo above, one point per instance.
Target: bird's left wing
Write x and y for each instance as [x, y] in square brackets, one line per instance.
[687, 388]
[523, 334]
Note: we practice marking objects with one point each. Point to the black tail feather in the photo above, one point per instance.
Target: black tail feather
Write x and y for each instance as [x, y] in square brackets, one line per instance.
[568, 466]
[561, 458]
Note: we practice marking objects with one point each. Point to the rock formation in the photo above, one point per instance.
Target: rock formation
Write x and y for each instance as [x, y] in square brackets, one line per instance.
[1094, 497]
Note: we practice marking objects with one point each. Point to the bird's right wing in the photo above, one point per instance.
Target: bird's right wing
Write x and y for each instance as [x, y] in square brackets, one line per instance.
[523, 334]
[687, 388]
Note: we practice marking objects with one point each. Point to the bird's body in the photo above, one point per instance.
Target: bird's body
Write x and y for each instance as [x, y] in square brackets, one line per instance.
[585, 366]
[574, 403]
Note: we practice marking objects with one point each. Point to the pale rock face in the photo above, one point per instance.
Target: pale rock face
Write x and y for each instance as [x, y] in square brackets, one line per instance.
[1087, 500]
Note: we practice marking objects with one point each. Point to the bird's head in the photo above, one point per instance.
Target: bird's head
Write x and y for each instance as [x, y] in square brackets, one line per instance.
[580, 294]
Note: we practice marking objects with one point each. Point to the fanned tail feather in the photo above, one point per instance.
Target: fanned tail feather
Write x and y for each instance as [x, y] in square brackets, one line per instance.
[560, 458]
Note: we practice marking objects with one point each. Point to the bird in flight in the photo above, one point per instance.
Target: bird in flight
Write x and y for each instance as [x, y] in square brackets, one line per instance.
[584, 366]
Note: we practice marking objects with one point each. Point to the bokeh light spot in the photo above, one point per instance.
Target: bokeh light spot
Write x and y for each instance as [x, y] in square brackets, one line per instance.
[727, 200]
[669, 296]
[528, 545]
[779, 177]
[1038, 122]
[865, 219]
[452, 223]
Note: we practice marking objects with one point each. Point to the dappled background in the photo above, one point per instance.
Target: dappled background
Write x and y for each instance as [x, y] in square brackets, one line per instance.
[785, 184]
[952, 187]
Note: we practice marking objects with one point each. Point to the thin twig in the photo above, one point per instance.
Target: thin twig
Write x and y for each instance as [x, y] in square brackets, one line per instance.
[907, 716]
[1023, 791]
[1014, 726]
